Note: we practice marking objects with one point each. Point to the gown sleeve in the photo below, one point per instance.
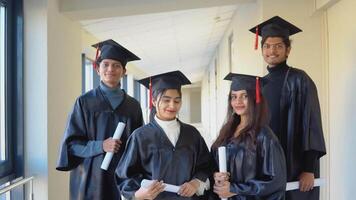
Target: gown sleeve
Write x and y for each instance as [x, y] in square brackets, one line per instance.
[75, 132]
[129, 169]
[313, 138]
[86, 150]
[203, 164]
[271, 175]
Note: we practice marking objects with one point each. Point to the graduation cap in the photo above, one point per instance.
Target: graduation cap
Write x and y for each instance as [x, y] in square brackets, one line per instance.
[169, 80]
[245, 82]
[274, 27]
[109, 49]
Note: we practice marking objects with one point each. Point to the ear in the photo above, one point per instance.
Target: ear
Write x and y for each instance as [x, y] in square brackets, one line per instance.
[288, 51]
[154, 102]
[97, 69]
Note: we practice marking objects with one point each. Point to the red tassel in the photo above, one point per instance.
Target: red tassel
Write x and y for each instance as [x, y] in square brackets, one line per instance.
[150, 91]
[96, 57]
[256, 39]
[258, 92]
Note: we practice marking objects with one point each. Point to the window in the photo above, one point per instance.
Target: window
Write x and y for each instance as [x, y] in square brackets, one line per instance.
[137, 90]
[11, 90]
[124, 83]
[90, 78]
[2, 84]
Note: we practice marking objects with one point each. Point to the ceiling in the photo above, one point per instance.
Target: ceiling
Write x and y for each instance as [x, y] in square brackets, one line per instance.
[178, 38]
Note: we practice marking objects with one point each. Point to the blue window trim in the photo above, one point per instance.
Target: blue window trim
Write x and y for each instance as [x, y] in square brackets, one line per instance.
[14, 166]
[137, 91]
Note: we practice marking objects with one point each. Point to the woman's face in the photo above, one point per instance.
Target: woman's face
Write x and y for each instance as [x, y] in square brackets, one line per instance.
[168, 105]
[239, 102]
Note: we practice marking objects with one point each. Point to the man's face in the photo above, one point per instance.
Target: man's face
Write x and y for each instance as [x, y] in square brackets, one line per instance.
[110, 72]
[274, 51]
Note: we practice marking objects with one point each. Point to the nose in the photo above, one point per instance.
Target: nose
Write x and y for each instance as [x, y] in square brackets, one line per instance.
[171, 104]
[110, 68]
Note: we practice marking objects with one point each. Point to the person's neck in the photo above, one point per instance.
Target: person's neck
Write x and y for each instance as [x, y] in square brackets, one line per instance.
[277, 67]
[243, 121]
[158, 118]
[242, 125]
[110, 87]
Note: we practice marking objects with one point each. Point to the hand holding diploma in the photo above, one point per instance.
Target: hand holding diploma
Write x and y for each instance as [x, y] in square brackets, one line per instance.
[167, 187]
[222, 163]
[295, 185]
[112, 145]
[149, 189]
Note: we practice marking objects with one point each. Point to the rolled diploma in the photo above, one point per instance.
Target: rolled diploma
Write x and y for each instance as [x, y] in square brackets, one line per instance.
[108, 156]
[168, 187]
[222, 161]
[295, 185]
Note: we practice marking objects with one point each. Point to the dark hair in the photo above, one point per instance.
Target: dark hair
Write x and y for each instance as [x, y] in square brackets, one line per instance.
[156, 95]
[286, 40]
[257, 118]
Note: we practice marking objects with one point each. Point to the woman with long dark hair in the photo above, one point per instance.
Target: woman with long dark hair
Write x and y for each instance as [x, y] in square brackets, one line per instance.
[165, 150]
[255, 160]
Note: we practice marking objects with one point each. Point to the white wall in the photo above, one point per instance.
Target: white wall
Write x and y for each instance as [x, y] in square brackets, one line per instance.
[64, 85]
[53, 47]
[342, 105]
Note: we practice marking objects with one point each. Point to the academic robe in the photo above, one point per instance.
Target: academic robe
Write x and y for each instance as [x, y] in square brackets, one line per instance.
[150, 155]
[257, 173]
[297, 123]
[91, 122]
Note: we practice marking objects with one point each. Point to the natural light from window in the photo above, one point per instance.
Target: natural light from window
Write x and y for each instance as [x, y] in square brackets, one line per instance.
[2, 84]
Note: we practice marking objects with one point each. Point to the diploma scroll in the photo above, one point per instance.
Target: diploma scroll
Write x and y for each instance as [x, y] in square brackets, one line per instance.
[222, 161]
[168, 187]
[117, 135]
[295, 185]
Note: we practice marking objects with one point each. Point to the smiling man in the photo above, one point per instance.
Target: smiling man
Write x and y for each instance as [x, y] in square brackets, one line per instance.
[294, 108]
[92, 123]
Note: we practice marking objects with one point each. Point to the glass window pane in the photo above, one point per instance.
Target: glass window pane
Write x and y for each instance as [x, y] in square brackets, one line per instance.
[2, 85]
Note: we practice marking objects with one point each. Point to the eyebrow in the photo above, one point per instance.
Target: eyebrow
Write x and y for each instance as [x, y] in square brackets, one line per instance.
[273, 43]
[168, 97]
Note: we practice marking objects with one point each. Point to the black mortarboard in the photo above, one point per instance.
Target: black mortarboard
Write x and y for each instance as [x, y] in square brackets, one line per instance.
[169, 80]
[245, 82]
[109, 49]
[274, 27]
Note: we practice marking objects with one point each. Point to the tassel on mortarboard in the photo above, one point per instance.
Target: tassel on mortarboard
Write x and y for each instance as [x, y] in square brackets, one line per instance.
[96, 57]
[258, 92]
[256, 39]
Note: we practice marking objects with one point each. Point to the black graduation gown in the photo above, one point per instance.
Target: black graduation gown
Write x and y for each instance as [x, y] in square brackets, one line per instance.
[93, 120]
[150, 155]
[255, 174]
[300, 127]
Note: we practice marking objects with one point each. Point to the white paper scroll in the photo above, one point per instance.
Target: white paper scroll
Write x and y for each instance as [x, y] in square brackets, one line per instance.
[117, 135]
[222, 161]
[295, 185]
[168, 187]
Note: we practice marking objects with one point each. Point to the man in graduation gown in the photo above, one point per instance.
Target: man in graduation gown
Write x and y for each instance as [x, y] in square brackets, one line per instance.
[91, 124]
[166, 149]
[294, 107]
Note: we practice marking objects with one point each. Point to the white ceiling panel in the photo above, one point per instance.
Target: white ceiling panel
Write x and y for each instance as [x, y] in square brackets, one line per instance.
[184, 40]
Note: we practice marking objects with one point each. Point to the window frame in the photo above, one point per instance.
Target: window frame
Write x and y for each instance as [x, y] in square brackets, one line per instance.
[13, 166]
